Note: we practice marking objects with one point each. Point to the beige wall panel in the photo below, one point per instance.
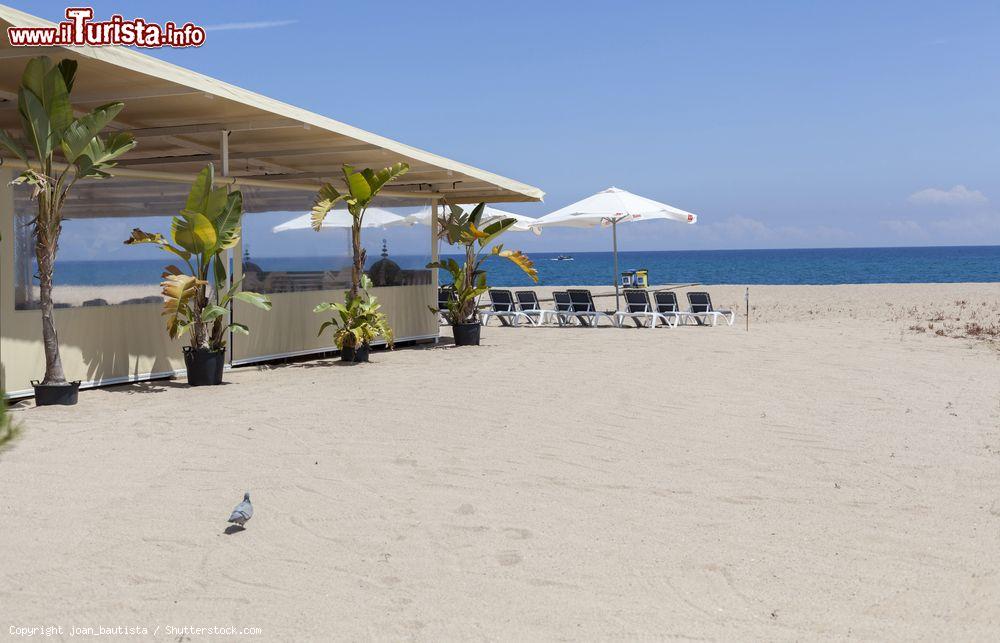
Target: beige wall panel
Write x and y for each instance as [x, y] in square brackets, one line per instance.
[290, 327]
[99, 344]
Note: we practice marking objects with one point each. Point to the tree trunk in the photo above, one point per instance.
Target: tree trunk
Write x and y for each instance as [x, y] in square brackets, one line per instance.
[358, 266]
[45, 254]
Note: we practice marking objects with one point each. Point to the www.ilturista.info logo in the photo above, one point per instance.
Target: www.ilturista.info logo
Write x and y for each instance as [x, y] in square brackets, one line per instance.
[79, 28]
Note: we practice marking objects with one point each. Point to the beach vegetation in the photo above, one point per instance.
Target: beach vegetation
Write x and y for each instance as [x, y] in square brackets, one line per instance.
[58, 149]
[196, 297]
[363, 186]
[465, 229]
[359, 320]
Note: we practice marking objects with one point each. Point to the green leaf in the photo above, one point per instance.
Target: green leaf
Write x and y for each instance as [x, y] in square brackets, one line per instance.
[326, 198]
[15, 148]
[377, 180]
[227, 222]
[35, 123]
[477, 214]
[201, 191]
[33, 76]
[67, 67]
[219, 272]
[240, 328]
[193, 232]
[211, 312]
[358, 186]
[324, 326]
[253, 298]
[56, 101]
[78, 137]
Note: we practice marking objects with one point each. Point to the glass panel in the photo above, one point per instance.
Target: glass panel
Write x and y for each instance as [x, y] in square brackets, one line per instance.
[93, 266]
[296, 260]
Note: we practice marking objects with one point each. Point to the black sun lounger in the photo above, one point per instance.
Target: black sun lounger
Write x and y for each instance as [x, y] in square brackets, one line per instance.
[527, 303]
[583, 306]
[638, 309]
[700, 305]
[503, 308]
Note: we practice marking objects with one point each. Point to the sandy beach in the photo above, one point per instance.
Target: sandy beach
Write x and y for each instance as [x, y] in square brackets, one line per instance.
[830, 474]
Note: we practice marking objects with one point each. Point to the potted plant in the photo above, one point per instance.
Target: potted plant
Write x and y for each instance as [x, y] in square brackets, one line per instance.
[358, 322]
[197, 300]
[469, 278]
[359, 316]
[63, 150]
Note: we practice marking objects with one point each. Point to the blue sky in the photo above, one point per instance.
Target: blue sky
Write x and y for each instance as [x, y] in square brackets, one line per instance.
[782, 124]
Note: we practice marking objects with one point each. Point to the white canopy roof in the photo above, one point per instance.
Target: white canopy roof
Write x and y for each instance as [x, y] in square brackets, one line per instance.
[374, 218]
[613, 205]
[179, 116]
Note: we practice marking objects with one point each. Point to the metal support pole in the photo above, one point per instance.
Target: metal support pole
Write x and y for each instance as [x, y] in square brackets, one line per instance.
[614, 235]
[434, 256]
[224, 158]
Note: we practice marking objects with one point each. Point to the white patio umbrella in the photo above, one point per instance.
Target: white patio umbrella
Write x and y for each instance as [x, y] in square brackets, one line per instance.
[609, 208]
[374, 218]
[490, 214]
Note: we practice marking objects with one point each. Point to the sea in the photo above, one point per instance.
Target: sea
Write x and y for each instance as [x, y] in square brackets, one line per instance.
[746, 267]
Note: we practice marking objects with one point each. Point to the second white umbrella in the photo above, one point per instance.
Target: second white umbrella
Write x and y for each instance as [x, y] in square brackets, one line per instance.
[490, 214]
[609, 208]
[374, 218]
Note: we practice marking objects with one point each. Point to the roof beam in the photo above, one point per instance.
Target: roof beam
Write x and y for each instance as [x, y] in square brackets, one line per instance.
[123, 97]
[200, 128]
[262, 154]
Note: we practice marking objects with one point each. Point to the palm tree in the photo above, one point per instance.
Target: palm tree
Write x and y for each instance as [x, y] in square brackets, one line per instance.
[58, 149]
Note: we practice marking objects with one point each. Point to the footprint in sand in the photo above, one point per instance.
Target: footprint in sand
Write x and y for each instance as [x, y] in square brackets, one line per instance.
[508, 558]
[517, 533]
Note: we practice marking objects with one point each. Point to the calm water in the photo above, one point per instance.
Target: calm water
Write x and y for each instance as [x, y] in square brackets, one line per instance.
[813, 266]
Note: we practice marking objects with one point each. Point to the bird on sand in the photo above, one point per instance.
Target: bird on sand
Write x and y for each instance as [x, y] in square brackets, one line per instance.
[242, 512]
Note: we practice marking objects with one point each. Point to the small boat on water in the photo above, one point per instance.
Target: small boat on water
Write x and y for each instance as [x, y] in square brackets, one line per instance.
[564, 258]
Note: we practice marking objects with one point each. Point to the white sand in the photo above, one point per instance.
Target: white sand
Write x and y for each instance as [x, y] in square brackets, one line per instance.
[830, 474]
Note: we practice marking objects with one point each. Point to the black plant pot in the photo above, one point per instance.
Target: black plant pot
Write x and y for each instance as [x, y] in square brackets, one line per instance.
[204, 366]
[56, 394]
[355, 353]
[466, 334]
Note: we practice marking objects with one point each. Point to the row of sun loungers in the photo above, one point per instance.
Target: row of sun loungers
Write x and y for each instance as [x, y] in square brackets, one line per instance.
[577, 306]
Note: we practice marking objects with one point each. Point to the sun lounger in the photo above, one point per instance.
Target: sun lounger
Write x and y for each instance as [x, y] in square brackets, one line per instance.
[638, 308]
[583, 306]
[564, 309]
[503, 308]
[700, 305]
[667, 305]
[527, 303]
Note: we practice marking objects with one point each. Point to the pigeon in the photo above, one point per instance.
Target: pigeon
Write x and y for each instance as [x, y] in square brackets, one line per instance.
[242, 512]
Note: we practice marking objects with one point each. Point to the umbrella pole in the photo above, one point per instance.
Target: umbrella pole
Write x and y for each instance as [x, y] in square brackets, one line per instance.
[614, 236]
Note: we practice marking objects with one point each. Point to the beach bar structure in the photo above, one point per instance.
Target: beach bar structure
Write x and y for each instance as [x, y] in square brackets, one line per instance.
[276, 154]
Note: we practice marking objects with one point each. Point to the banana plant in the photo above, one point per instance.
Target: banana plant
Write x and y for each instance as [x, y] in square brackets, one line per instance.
[358, 320]
[362, 188]
[459, 228]
[58, 149]
[197, 300]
